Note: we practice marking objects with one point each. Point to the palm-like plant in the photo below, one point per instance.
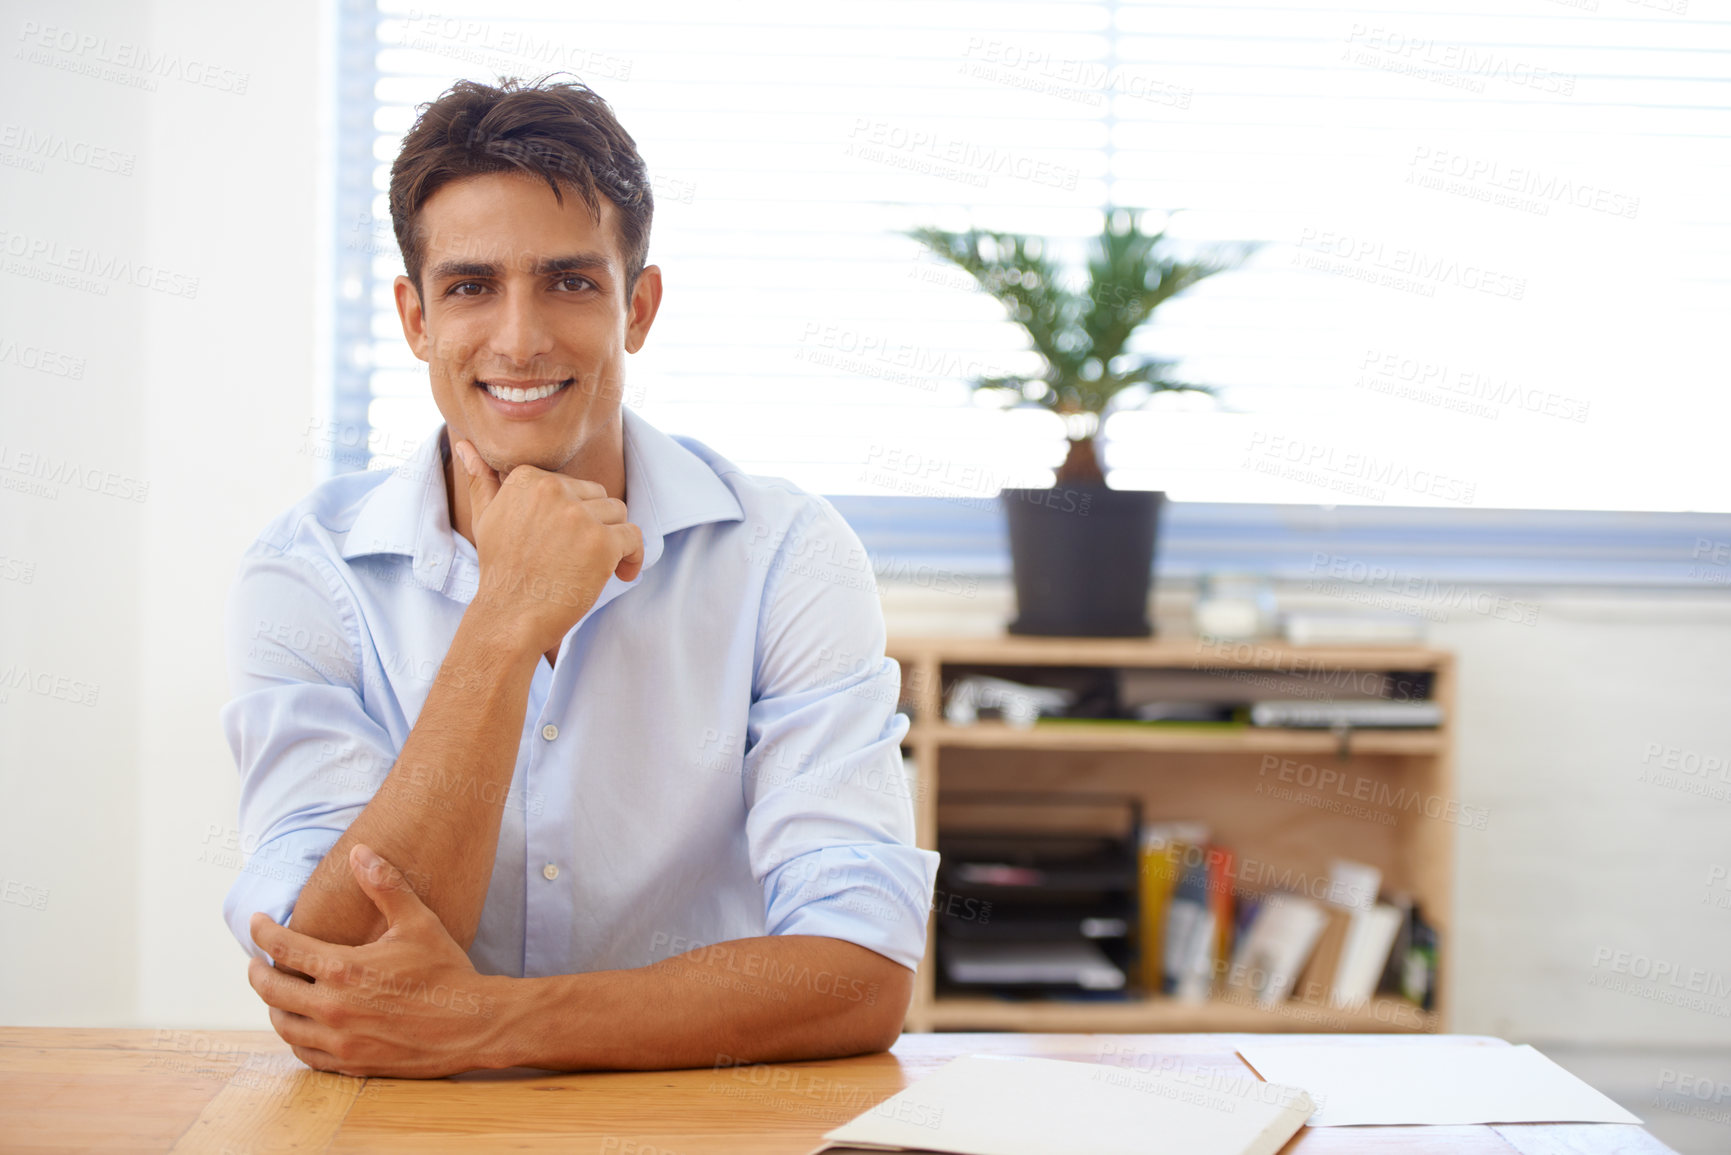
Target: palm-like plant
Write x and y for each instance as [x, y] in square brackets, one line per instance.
[1080, 336]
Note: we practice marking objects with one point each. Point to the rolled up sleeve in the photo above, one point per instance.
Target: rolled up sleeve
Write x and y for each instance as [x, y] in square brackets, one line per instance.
[309, 755]
[830, 823]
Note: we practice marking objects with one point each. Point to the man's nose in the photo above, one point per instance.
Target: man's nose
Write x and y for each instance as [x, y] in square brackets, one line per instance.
[522, 332]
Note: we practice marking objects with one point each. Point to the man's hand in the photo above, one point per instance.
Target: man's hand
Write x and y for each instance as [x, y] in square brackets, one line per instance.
[409, 1005]
[547, 545]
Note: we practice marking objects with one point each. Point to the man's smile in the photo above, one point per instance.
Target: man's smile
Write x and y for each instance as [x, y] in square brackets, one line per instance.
[510, 389]
[523, 399]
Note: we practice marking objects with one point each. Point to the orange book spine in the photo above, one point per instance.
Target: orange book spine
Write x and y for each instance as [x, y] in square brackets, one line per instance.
[1221, 863]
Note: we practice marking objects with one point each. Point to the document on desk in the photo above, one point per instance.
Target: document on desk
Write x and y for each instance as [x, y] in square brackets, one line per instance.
[1003, 1105]
[1440, 1083]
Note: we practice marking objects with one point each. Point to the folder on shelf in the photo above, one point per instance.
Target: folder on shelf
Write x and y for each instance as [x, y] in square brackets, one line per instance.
[999, 1105]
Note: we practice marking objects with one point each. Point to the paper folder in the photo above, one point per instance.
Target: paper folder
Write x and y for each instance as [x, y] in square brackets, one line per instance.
[1000, 1105]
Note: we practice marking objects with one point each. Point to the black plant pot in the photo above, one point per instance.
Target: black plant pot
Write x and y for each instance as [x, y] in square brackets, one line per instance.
[1083, 558]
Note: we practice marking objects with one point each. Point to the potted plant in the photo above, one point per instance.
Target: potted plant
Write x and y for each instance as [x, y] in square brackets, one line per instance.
[1082, 552]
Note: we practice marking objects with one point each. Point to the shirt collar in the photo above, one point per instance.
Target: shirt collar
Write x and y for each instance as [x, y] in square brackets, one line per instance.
[667, 488]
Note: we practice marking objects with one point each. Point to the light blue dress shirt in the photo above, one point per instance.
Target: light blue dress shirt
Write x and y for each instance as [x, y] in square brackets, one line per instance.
[715, 755]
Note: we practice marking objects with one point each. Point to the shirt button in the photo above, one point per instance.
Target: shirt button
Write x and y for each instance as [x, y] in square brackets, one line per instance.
[549, 731]
[550, 872]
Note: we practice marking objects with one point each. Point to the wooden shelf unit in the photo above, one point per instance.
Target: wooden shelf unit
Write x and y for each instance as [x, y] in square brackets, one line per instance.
[1256, 788]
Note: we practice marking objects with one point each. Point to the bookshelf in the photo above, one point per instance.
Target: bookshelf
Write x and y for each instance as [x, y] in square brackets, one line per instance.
[1256, 787]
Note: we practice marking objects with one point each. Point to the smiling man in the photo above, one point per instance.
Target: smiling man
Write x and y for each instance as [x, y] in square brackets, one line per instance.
[566, 744]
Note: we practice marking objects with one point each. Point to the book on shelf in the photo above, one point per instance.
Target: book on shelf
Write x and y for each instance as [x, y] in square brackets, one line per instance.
[1158, 875]
[1411, 970]
[1274, 947]
[1167, 848]
[1221, 900]
[1353, 885]
[1358, 938]
[1369, 942]
[1190, 936]
[1203, 937]
[1316, 978]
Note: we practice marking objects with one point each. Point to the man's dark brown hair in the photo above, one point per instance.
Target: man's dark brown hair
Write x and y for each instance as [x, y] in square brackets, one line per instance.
[560, 131]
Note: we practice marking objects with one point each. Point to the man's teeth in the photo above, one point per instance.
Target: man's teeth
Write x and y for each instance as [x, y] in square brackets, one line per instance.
[534, 394]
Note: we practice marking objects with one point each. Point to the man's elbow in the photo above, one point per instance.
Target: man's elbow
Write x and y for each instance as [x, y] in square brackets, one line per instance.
[318, 911]
[877, 1021]
[881, 1034]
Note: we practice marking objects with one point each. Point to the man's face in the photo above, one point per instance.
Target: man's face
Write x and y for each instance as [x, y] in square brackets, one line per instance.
[525, 297]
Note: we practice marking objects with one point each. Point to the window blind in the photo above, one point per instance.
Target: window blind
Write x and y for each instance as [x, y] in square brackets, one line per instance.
[1492, 238]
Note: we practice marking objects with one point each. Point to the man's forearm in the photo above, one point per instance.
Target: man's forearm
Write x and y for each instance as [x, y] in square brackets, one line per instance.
[778, 998]
[436, 816]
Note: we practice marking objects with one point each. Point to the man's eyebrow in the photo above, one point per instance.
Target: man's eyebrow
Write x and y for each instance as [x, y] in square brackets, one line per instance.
[545, 266]
[463, 269]
[575, 262]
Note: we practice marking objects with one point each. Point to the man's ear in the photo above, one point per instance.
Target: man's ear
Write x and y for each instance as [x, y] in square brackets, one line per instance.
[413, 317]
[645, 303]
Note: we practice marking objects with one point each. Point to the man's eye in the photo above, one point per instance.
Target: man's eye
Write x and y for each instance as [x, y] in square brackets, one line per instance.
[454, 289]
[572, 283]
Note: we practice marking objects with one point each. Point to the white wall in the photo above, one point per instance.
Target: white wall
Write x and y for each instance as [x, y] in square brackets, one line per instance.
[1581, 856]
[69, 771]
[206, 398]
[122, 811]
[222, 456]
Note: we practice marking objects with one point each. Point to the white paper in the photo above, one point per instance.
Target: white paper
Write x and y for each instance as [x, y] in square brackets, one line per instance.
[1073, 961]
[1004, 1105]
[1434, 1083]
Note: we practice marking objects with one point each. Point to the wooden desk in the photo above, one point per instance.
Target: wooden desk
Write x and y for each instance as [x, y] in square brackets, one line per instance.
[240, 1092]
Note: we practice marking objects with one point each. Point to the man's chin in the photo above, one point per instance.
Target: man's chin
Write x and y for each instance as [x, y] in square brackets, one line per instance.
[503, 458]
[503, 465]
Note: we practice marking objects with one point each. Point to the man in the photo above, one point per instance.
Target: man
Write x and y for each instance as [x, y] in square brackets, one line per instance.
[567, 744]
